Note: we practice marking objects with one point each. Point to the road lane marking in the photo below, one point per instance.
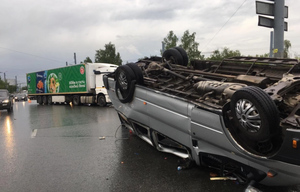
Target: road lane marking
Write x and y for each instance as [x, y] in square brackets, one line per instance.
[33, 134]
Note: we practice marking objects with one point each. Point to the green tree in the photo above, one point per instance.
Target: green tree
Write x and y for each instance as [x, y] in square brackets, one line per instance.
[5, 85]
[170, 41]
[13, 88]
[263, 55]
[189, 44]
[287, 46]
[225, 53]
[108, 55]
[88, 60]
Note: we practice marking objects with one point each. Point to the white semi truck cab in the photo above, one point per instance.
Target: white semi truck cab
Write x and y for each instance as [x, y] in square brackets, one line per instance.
[100, 90]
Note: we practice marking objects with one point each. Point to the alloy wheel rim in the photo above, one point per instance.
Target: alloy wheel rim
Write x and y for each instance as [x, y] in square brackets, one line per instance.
[248, 115]
[123, 80]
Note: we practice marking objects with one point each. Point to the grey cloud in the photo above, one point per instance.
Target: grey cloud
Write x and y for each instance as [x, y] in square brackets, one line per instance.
[56, 29]
[154, 10]
[157, 14]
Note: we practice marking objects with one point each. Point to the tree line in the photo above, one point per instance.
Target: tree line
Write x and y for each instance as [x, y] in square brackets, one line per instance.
[5, 85]
[106, 55]
[191, 46]
[187, 42]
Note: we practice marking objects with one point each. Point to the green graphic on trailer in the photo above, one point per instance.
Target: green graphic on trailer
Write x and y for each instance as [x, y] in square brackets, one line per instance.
[67, 79]
[61, 80]
[31, 82]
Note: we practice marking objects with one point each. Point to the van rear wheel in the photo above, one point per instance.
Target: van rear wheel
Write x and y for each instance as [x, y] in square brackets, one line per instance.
[255, 114]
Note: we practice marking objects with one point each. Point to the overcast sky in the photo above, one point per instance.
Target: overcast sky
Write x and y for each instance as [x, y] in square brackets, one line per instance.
[44, 34]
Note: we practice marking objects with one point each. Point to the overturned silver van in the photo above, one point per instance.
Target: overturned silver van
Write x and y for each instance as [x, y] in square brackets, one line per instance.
[240, 115]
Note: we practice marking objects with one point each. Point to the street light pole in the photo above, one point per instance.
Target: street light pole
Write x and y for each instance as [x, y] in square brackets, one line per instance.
[4, 76]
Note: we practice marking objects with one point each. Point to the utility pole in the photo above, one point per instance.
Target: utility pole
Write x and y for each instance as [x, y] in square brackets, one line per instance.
[17, 84]
[4, 76]
[271, 44]
[75, 58]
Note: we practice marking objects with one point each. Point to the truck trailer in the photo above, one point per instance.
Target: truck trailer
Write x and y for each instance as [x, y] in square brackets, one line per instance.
[79, 84]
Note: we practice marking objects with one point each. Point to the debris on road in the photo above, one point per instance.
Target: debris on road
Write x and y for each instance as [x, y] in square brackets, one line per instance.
[222, 178]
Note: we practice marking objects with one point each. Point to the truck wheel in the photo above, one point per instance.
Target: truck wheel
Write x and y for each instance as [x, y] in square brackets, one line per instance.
[45, 101]
[76, 100]
[68, 99]
[254, 113]
[174, 56]
[101, 101]
[49, 100]
[137, 72]
[183, 54]
[39, 100]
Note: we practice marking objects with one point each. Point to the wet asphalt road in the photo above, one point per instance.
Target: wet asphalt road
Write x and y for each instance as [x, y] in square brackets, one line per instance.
[64, 148]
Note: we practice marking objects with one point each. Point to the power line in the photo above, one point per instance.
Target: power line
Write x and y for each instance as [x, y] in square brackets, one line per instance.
[31, 54]
[224, 24]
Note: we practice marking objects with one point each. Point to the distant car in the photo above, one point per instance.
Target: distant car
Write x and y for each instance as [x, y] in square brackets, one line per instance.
[21, 97]
[6, 100]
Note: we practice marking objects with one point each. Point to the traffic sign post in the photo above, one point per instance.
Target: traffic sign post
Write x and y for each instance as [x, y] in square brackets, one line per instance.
[276, 9]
